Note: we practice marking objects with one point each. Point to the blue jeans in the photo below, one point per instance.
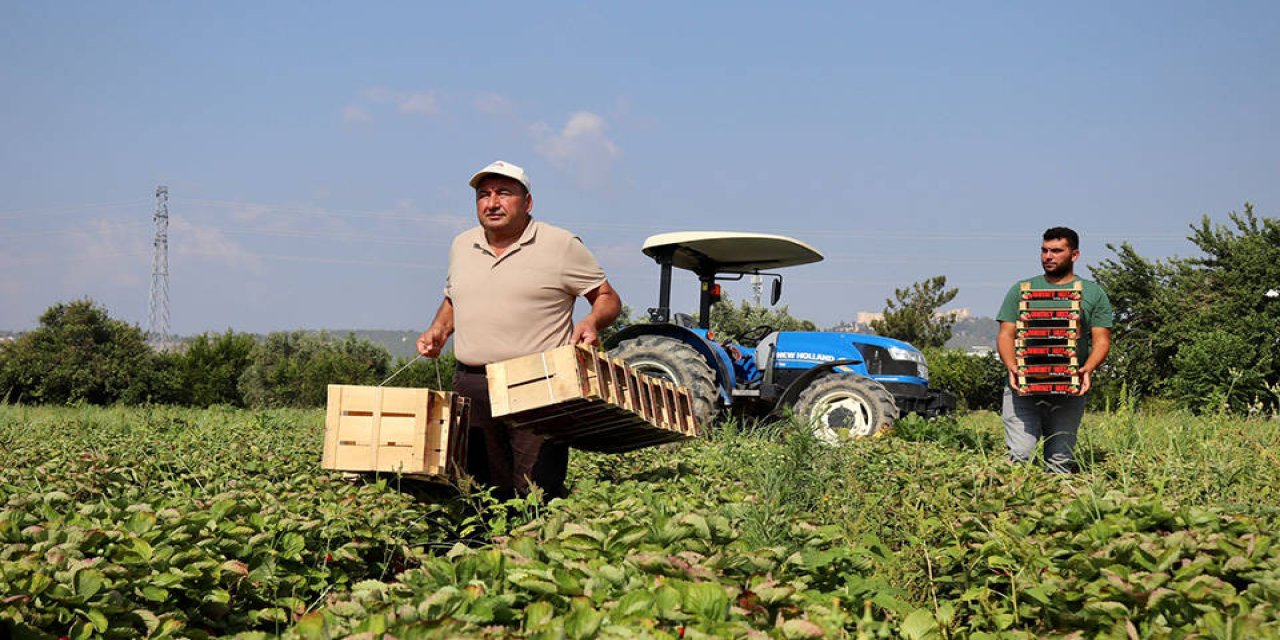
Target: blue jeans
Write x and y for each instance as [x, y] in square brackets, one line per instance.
[1056, 419]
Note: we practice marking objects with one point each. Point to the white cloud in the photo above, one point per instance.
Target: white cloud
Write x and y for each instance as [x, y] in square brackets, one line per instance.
[211, 244]
[493, 104]
[355, 114]
[108, 252]
[248, 211]
[378, 94]
[424, 104]
[581, 148]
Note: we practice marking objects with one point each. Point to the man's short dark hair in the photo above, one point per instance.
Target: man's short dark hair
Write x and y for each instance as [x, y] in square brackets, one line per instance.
[1063, 233]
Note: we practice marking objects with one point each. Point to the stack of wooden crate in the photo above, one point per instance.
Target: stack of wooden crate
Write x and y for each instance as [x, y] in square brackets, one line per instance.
[580, 396]
[1048, 334]
[419, 433]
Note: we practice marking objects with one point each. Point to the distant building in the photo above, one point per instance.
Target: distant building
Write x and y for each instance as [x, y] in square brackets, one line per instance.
[865, 317]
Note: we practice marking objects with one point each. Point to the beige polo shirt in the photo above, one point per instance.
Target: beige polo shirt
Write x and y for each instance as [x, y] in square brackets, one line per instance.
[519, 303]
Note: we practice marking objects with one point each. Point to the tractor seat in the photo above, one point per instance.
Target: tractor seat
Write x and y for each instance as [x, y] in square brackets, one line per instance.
[765, 351]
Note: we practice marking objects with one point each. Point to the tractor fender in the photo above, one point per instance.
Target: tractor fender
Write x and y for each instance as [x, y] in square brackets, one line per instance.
[714, 354]
[793, 391]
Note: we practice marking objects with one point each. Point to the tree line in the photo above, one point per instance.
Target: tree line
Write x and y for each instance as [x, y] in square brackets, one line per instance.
[1200, 333]
[79, 354]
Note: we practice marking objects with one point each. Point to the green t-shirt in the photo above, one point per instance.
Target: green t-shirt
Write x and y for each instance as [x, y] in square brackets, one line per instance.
[1095, 307]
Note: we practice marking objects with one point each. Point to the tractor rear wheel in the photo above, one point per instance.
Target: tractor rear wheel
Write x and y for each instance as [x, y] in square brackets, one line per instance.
[839, 406]
[674, 360]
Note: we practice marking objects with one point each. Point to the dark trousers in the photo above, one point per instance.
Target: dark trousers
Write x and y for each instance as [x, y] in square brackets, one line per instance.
[510, 460]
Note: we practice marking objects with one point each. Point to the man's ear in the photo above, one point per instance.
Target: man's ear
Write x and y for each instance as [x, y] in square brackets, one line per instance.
[528, 203]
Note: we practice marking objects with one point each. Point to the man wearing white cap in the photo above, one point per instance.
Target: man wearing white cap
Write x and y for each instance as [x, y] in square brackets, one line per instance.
[510, 292]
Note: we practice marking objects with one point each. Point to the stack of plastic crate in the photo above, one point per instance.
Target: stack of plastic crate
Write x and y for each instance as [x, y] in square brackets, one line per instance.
[1048, 334]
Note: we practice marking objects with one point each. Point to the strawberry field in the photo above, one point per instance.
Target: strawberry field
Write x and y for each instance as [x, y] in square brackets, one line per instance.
[164, 522]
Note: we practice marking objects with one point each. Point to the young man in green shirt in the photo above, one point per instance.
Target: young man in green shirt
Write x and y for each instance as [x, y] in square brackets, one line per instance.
[1055, 418]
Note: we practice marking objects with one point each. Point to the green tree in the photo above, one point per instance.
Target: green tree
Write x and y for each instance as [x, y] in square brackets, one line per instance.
[913, 316]
[294, 369]
[977, 381]
[80, 354]
[1200, 330]
[729, 321]
[211, 367]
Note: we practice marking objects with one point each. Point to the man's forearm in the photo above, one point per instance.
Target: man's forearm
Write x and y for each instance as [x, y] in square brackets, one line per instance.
[1101, 347]
[605, 309]
[444, 318]
[1005, 340]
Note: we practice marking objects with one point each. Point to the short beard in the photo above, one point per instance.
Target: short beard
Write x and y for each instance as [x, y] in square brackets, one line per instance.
[1063, 270]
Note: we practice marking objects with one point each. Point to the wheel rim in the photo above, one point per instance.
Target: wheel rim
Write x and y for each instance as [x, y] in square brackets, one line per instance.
[842, 415]
[654, 369]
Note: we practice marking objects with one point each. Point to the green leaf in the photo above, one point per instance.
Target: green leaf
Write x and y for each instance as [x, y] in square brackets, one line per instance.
[633, 603]
[80, 631]
[582, 622]
[920, 625]
[217, 596]
[538, 614]
[535, 584]
[153, 593]
[667, 603]
[98, 619]
[273, 614]
[567, 584]
[799, 629]
[312, 627]
[291, 546]
[707, 600]
[143, 549]
[88, 583]
[140, 523]
[149, 620]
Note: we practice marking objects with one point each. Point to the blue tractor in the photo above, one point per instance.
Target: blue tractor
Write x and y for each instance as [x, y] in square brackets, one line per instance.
[845, 384]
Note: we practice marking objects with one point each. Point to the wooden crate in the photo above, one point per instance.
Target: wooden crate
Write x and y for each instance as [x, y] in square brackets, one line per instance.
[419, 433]
[1048, 330]
[579, 396]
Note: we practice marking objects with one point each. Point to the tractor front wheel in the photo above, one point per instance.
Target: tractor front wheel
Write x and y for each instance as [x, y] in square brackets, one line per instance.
[674, 360]
[839, 406]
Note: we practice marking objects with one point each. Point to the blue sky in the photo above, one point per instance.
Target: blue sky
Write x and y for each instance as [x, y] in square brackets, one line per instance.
[317, 154]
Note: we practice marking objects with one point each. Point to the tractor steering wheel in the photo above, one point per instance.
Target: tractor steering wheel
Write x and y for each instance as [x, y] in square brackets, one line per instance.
[751, 337]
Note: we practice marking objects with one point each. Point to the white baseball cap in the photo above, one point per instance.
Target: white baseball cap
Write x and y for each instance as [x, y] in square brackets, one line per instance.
[503, 169]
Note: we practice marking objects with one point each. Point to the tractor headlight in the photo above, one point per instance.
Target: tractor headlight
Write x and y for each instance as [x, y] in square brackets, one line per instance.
[898, 353]
[911, 355]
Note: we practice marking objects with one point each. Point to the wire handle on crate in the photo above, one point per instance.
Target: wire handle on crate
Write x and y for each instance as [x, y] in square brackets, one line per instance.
[407, 365]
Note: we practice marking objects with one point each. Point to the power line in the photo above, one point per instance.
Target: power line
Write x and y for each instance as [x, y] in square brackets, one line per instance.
[48, 211]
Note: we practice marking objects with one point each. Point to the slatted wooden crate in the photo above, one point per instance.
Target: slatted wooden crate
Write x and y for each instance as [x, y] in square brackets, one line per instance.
[419, 433]
[579, 396]
[1048, 332]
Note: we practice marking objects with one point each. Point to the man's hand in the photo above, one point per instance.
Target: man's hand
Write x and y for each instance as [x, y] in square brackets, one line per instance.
[1086, 382]
[585, 333]
[1013, 383]
[432, 341]
[605, 306]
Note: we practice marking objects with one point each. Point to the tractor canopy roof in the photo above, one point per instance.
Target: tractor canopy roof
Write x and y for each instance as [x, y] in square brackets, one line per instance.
[729, 251]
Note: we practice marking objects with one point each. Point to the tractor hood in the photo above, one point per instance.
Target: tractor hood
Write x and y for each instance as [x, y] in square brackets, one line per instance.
[880, 341]
[729, 251]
